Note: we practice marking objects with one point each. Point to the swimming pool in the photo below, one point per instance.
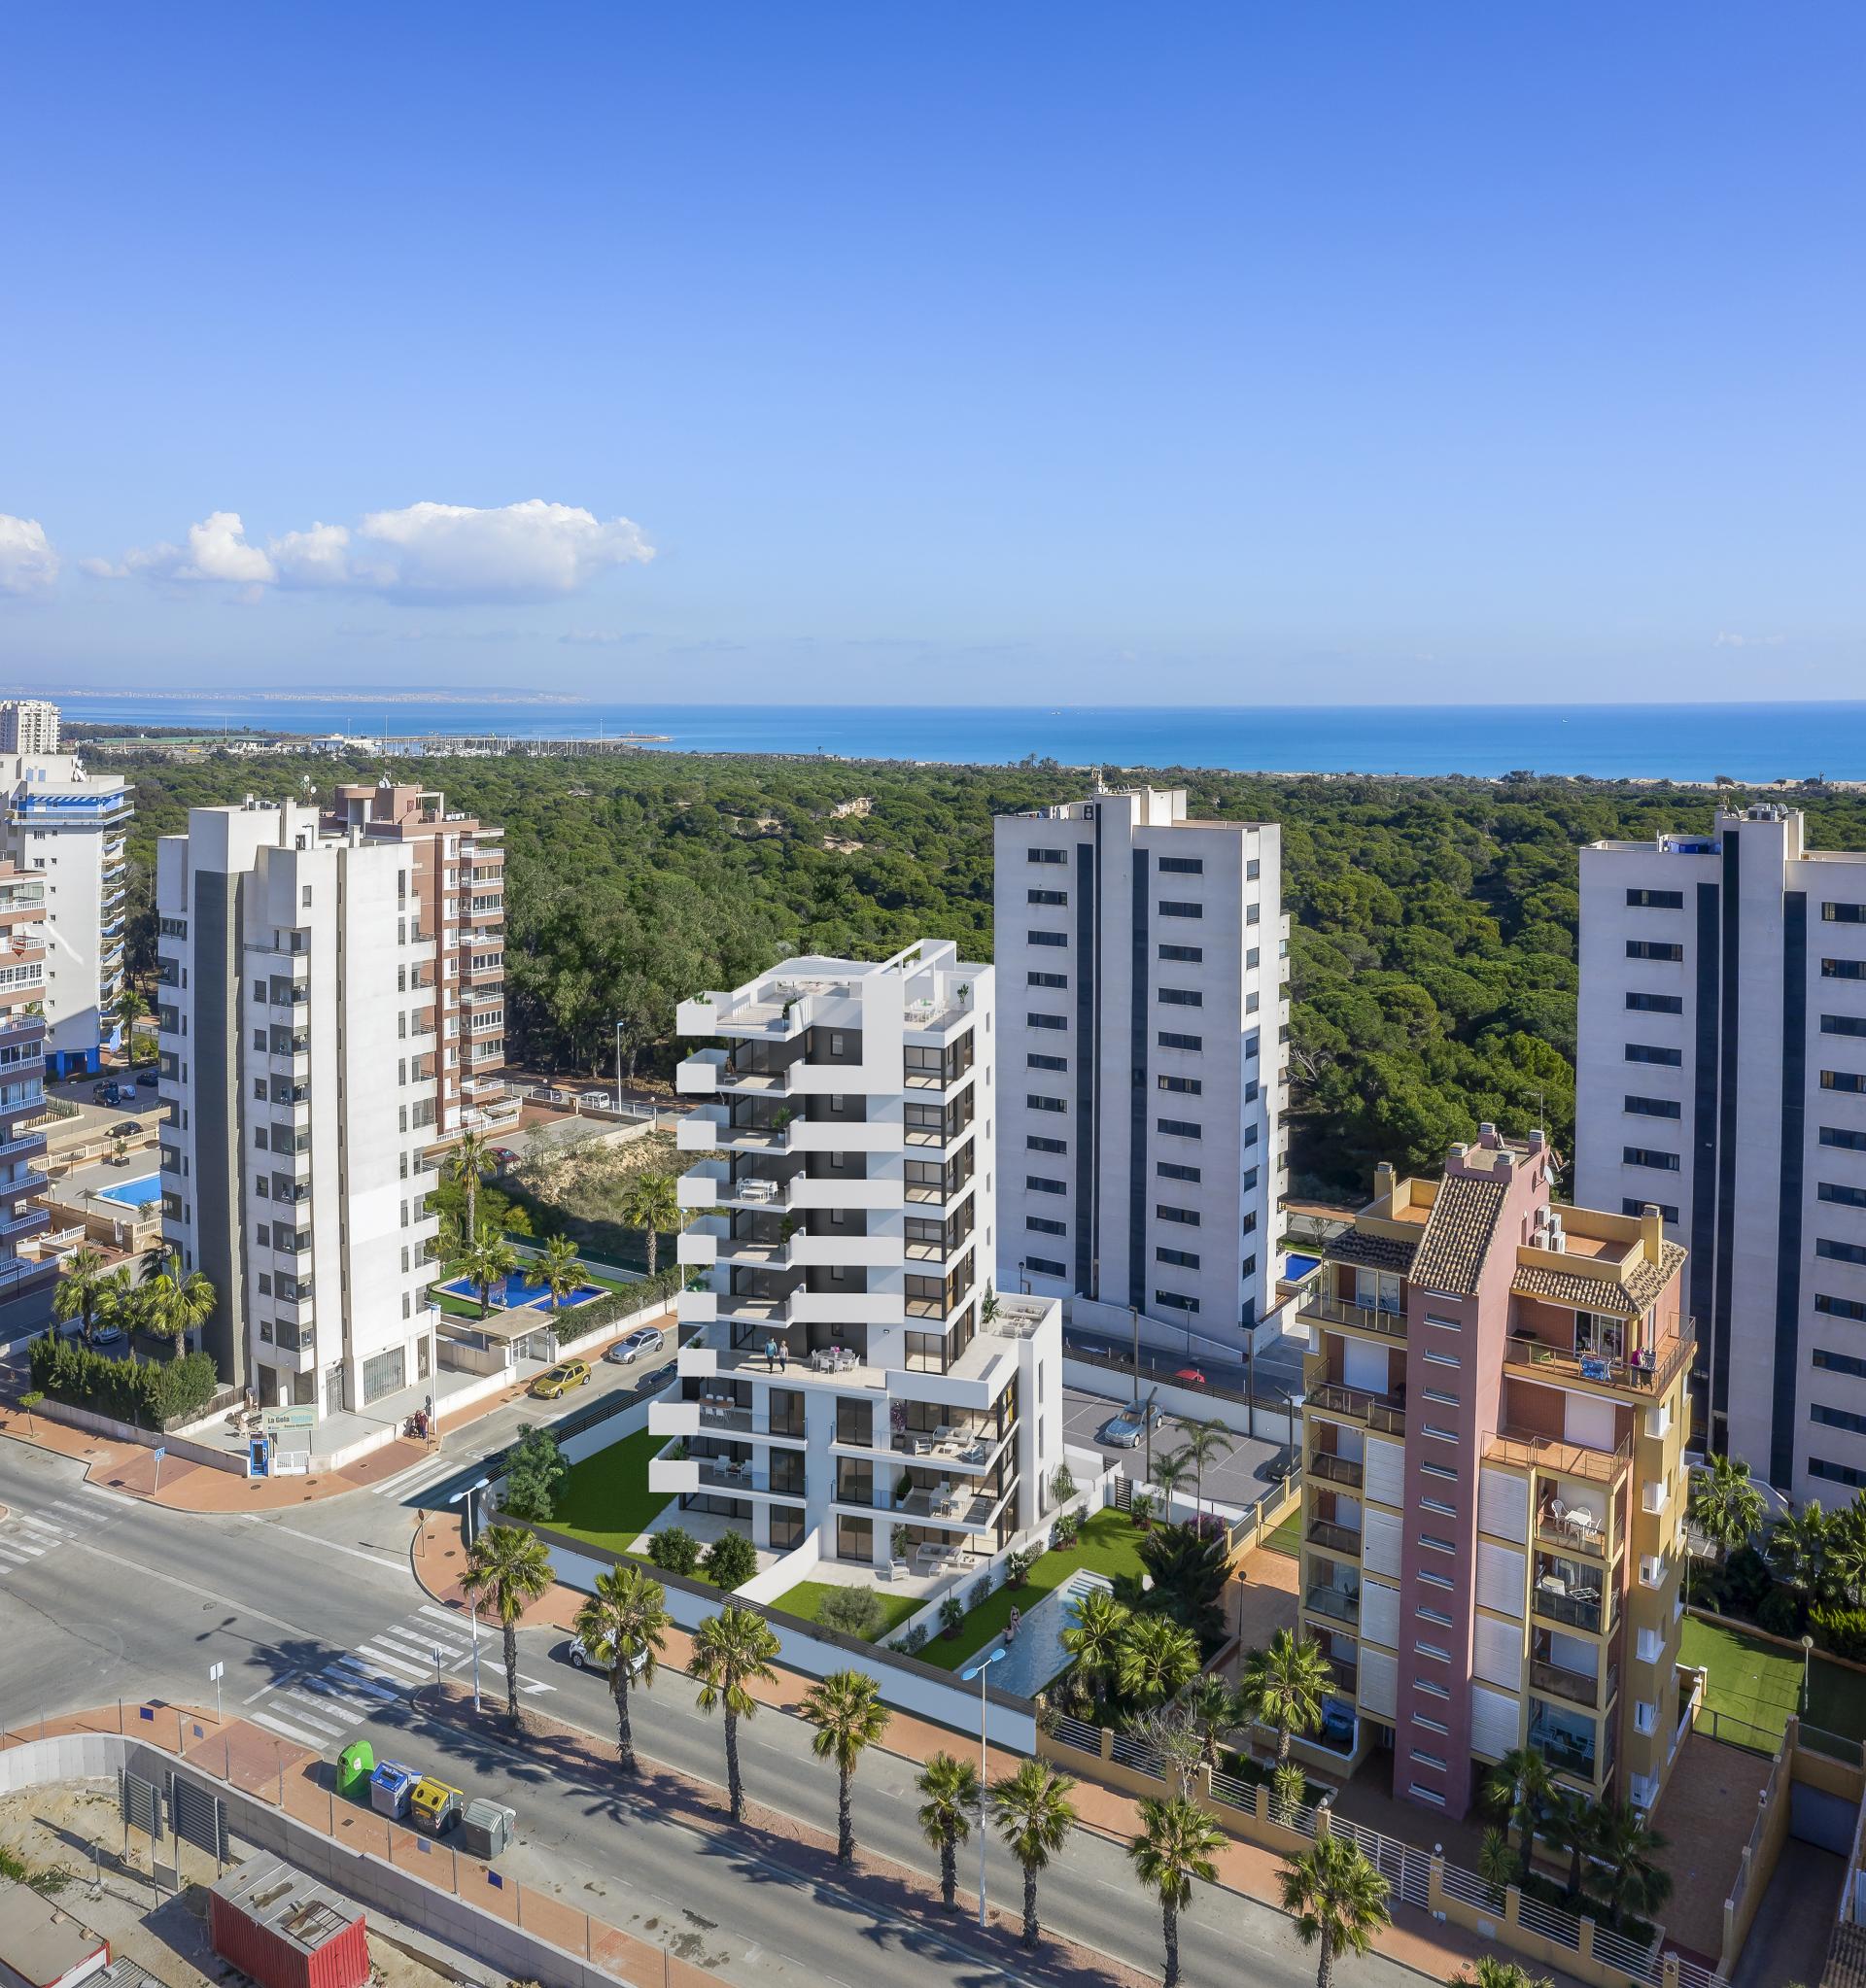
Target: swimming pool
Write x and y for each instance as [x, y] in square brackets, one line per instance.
[134, 1193]
[1297, 1267]
[1038, 1655]
[520, 1290]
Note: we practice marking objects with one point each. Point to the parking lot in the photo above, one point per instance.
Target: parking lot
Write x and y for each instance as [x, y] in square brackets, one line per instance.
[1232, 1480]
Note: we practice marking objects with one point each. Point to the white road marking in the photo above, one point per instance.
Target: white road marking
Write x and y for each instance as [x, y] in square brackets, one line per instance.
[448, 1615]
[354, 1675]
[314, 1712]
[419, 1477]
[357, 1552]
[291, 1733]
[394, 1662]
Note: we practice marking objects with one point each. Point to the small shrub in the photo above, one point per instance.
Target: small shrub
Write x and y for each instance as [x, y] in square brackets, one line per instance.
[1064, 1537]
[675, 1550]
[1287, 1784]
[150, 1393]
[1781, 1613]
[731, 1559]
[980, 1589]
[1062, 1486]
[1843, 1630]
[951, 1614]
[1143, 1509]
[1017, 1568]
[853, 1612]
[897, 1542]
[913, 1638]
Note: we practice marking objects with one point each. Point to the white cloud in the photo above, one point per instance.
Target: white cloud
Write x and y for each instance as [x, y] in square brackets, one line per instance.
[1727, 640]
[27, 561]
[427, 551]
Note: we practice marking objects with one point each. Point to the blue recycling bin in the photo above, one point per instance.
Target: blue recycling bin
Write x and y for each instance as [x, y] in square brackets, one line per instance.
[390, 1788]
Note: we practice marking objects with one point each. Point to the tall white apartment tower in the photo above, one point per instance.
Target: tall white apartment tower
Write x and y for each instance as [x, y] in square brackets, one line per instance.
[853, 1371]
[1144, 1013]
[66, 825]
[29, 725]
[298, 1053]
[1723, 1075]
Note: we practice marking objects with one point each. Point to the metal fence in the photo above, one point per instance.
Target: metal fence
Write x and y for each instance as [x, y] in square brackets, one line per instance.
[1078, 1732]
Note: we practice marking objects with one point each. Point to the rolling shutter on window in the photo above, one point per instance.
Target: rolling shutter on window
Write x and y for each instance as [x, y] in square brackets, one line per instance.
[1386, 1467]
[1496, 1651]
[1502, 1505]
[1380, 1536]
[1380, 1613]
[1503, 1574]
[1379, 1682]
[1495, 1721]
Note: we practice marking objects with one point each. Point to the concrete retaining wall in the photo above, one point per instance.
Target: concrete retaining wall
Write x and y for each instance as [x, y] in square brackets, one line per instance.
[177, 1446]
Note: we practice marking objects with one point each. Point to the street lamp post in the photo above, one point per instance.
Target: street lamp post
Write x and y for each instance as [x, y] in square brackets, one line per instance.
[473, 1531]
[433, 1367]
[618, 1063]
[978, 1670]
[1133, 1311]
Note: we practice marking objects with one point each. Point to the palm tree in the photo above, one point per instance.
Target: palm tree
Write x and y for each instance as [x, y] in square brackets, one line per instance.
[1497, 1863]
[1490, 1973]
[1522, 1787]
[623, 1623]
[489, 1261]
[173, 1305]
[469, 1162]
[1725, 1506]
[951, 1789]
[1284, 1685]
[1570, 1828]
[1158, 1658]
[1800, 1549]
[650, 1203]
[79, 1288]
[1212, 1707]
[510, 1570]
[732, 1651]
[1335, 1896]
[1175, 1846]
[848, 1713]
[120, 1299]
[559, 1269]
[1170, 1473]
[1629, 1848]
[1205, 1443]
[1094, 1641]
[130, 1009]
[1034, 1816]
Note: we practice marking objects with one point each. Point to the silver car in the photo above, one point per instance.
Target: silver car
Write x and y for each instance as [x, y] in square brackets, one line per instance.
[583, 1659]
[630, 1349]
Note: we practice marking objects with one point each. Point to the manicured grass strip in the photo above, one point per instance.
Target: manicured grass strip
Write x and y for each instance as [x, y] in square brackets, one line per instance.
[1754, 1682]
[1108, 1544]
[606, 1499]
[807, 1599]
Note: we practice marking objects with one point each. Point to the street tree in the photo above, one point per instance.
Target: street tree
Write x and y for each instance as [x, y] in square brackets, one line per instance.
[1175, 1848]
[1338, 1899]
[624, 1625]
[507, 1570]
[732, 1651]
[848, 1713]
[1034, 1816]
[951, 1789]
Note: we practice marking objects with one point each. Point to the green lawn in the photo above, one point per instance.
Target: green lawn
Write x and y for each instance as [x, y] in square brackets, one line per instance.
[807, 1599]
[606, 1499]
[1108, 1544]
[1756, 1683]
[1287, 1538]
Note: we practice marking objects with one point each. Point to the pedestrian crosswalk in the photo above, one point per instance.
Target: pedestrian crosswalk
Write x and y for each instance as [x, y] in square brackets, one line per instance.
[29, 1536]
[407, 1484]
[316, 1708]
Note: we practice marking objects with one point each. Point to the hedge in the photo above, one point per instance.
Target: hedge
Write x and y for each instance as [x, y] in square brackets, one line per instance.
[150, 1393]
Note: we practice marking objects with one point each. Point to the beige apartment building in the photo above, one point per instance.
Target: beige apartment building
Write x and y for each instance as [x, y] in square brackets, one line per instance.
[1495, 1417]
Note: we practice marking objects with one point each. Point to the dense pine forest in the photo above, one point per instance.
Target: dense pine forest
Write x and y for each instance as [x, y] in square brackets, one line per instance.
[1432, 954]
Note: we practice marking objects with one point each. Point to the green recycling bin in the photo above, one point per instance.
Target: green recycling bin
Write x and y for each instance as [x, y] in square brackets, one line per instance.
[355, 1764]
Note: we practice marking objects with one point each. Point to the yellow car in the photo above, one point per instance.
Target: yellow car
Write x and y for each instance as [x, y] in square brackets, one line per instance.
[559, 1380]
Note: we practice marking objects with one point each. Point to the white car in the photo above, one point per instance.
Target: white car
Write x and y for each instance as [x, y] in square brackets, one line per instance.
[581, 1659]
[630, 1349]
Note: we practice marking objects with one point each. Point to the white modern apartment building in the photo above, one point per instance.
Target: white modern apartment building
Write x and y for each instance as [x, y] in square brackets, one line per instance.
[29, 725]
[67, 824]
[1723, 1077]
[851, 1369]
[1142, 968]
[301, 1045]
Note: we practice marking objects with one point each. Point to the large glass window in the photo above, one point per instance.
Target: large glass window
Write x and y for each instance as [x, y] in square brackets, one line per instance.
[854, 1421]
[854, 1538]
[383, 1375]
[854, 1481]
[787, 1527]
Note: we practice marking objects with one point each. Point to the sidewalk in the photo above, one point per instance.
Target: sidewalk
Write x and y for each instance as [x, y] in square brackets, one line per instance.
[1412, 1940]
[130, 1468]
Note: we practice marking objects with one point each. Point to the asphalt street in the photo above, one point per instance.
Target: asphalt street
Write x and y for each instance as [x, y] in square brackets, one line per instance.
[326, 1635]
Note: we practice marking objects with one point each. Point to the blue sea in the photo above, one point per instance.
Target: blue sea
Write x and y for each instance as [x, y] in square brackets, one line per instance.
[1752, 744]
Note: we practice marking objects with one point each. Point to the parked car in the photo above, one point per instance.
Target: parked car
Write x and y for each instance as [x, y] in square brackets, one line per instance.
[633, 1345]
[1190, 1377]
[126, 1128]
[1121, 1432]
[149, 1079]
[657, 1377]
[582, 1657]
[107, 1337]
[505, 1155]
[559, 1380]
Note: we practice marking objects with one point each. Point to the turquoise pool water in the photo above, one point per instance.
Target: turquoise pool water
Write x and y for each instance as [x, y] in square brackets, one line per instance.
[1037, 1655]
[134, 1193]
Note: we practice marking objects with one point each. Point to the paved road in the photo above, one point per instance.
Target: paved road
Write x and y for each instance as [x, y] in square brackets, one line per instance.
[324, 1635]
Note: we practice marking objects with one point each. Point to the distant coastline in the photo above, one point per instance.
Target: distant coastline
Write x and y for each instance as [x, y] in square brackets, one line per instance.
[1686, 745]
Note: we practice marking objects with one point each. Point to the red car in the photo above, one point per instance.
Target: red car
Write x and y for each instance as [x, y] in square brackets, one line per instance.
[1190, 1377]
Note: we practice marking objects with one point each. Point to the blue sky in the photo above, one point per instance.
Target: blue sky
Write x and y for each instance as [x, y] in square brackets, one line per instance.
[962, 353]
